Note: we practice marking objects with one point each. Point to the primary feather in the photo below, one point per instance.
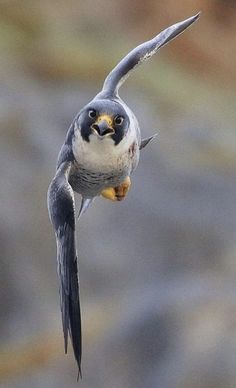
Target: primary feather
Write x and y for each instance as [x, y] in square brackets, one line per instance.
[142, 53]
[62, 214]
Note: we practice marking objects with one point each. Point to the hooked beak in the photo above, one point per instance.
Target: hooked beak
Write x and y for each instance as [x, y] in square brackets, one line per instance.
[102, 128]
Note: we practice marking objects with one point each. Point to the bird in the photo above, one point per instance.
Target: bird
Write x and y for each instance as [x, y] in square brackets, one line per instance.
[100, 152]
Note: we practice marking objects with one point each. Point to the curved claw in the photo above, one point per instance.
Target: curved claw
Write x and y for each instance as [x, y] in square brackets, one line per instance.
[117, 193]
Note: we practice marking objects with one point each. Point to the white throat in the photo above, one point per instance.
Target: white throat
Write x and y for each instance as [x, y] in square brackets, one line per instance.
[101, 154]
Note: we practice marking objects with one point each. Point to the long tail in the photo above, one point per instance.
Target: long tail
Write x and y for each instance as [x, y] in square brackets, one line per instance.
[140, 54]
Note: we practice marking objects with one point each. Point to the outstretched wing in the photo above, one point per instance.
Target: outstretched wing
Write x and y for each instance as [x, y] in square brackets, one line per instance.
[140, 54]
[62, 214]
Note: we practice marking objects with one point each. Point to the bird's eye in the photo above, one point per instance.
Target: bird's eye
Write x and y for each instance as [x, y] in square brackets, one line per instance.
[92, 113]
[118, 120]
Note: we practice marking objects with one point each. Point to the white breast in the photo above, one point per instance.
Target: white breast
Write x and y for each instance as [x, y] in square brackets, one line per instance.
[102, 154]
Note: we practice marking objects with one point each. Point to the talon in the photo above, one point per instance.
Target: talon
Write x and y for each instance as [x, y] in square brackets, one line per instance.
[117, 193]
[122, 190]
[109, 193]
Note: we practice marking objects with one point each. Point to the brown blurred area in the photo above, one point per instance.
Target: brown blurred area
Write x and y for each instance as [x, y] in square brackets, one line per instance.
[42, 35]
[157, 272]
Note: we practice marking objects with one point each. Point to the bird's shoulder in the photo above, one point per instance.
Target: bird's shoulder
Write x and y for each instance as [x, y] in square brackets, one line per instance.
[66, 151]
[61, 198]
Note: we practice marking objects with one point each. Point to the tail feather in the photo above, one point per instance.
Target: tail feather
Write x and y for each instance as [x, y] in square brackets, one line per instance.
[85, 203]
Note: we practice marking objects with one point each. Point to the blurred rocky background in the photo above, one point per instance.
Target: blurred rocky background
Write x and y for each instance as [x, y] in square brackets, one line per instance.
[157, 272]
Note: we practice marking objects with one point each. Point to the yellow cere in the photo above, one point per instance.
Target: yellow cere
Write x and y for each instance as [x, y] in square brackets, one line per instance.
[107, 118]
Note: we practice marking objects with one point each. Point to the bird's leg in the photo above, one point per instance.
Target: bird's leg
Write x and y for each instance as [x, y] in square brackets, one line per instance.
[117, 193]
[122, 190]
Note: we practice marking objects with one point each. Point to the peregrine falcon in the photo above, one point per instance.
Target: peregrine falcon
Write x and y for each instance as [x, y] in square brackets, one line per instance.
[100, 152]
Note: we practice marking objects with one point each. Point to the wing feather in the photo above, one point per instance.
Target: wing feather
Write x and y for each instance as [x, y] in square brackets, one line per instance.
[62, 214]
[140, 54]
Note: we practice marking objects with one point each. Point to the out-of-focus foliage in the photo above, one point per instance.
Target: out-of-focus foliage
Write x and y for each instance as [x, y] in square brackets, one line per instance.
[157, 272]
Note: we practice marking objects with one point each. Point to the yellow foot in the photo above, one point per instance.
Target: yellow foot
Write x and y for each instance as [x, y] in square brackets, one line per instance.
[117, 193]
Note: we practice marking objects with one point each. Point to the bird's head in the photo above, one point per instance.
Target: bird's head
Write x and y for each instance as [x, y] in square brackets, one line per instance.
[103, 119]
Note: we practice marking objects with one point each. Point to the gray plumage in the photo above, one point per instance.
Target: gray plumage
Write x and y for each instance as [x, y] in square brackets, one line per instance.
[101, 150]
[142, 53]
